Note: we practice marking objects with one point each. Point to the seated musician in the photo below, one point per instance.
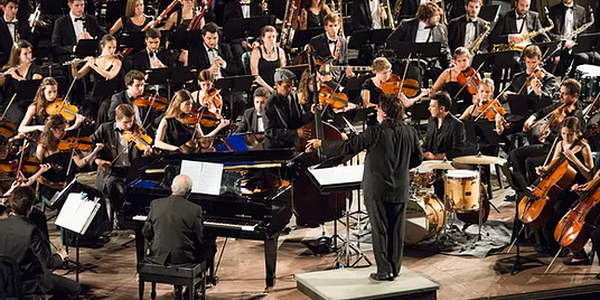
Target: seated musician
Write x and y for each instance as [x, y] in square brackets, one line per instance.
[266, 58]
[579, 156]
[134, 83]
[205, 95]
[449, 79]
[175, 230]
[113, 162]
[525, 159]
[568, 17]
[48, 152]
[283, 114]
[485, 94]
[36, 114]
[173, 134]
[513, 25]
[11, 29]
[366, 14]
[312, 14]
[134, 19]
[332, 48]
[466, 29]
[252, 119]
[385, 179]
[212, 54]
[425, 28]
[23, 241]
[581, 257]
[178, 23]
[535, 80]
[152, 57]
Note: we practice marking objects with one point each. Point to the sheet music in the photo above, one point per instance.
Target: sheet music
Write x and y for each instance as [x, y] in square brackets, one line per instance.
[338, 175]
[76, 214]
[206, 177]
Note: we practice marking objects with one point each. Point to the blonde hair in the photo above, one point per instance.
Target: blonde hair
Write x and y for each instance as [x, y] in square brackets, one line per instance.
[380, 64]
[461, 51]
[487, 82]
[180, 96]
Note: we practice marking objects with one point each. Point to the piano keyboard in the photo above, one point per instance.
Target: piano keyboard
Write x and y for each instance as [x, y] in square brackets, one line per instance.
[246, 227]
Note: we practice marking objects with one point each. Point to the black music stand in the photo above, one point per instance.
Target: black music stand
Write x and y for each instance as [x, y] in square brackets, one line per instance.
[105, 89]
[243, 28]
[17, 104]
[369, 36]
[587, 43]
[170, 77]
[416, 50]
[420, 111]
[302, 37]
[234, 84]
[135, 40]
[86, 48]
[27, 89]
[526, 104]
[495, 60]
[490, 13]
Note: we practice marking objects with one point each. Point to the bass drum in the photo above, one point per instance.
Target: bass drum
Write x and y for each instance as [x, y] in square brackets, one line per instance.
[424, 218]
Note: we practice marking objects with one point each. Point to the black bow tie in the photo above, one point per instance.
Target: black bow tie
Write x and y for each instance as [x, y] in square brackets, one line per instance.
[569, 7]
[429, 27]
[471, 21]
[332, 41]
[82, 19]
[521, 18]
[11, 23]
[244, 4]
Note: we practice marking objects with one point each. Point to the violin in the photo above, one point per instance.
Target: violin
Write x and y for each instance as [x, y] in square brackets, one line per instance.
[213, 100]
[537, 74]
[28, 166]
[204, 117]
[409, 87]
[83, 144]
[59, 107]
[148, 100]
[142, 141]
[491, 109]
[557, 116]
[469, 79]
[328, 96]
[7, 129]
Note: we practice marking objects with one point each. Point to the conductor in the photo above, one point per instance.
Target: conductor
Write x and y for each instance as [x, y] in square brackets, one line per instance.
[392, 149]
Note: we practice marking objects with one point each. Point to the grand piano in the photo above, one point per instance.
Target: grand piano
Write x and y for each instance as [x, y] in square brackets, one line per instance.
[254, 202]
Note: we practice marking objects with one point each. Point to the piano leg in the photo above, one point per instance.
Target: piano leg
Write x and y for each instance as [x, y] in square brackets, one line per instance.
[139, 246]
[271, 259]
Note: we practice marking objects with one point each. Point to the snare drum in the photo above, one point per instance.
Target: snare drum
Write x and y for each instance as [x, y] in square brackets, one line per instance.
[424, 217]
[589, 77]
[422, 177]
[462, 190]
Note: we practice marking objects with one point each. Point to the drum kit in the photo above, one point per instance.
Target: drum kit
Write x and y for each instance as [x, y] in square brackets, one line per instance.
[589, 77]
[465, 197]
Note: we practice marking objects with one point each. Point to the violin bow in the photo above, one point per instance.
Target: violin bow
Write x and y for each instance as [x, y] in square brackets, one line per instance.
[150, 108]
[8, 106]
[530, 76]
[468, 79]
[72, 153]
[405, 70]
[588, 109]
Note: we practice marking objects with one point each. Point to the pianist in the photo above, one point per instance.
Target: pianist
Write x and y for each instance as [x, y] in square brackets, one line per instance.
[392, 149]
[174, 229]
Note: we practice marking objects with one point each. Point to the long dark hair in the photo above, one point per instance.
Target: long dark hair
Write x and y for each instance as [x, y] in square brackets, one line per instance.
[47, 139]
[40, 100]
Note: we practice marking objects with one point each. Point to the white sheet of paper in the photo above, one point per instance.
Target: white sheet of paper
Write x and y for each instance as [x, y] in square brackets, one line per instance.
[338, 175]
[76, 214]
[206, 177]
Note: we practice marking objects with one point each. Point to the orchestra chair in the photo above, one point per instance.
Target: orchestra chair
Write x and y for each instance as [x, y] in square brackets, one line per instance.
[10, 281]
[185, 275]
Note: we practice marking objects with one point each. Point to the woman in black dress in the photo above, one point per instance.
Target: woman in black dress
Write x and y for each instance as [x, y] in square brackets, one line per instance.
[134, 19]
[265, 59]
[312, 14]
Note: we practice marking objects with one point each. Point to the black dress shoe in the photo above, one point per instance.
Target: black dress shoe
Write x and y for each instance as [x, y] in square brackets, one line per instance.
[381, 277]
[583, 262]
[212, 280]
[597, 276]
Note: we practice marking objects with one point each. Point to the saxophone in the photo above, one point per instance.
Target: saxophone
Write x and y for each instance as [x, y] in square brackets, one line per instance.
[474, 47]
[512, 46]
[573, 35]
[292, 10]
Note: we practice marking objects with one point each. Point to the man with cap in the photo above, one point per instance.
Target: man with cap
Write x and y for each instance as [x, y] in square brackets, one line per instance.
[283, 114]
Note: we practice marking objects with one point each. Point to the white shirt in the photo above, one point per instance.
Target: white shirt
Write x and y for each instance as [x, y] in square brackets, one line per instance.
[423, 33]
[424, 1]
[260, 126]
[470, 33]
[245, 8]
[375, 15]
[12, 28]
[521, 24]
[151, 55]
[211, 58]
[568, 28]
[136, 110]
[123, 149]
[77, 25]
[331, 45]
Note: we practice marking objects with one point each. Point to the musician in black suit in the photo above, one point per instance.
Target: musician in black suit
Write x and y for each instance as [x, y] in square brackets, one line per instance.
[152, 57]
[392, 149]
[69, 29]
[425, 28]
[464, 30]
[11, 29]
[524, 83]
[516, 22]
[212, 55]
[24, 242]
[332, 48]
[175, 229]
[366, 14]
[252, 119]
[134, 84]
[569, 17]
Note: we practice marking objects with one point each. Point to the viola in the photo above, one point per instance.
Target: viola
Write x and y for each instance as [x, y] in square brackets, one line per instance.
[147, 100]
[213, 99]
[142, 141]
[469, 79]
[7, 128]
[491, 109]
[409, 87]
[59, 107]
[536, 210]
[328, 96]
[83, 144]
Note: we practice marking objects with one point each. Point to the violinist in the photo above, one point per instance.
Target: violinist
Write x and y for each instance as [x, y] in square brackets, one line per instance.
[48, 152]
[460, 78]
[173, 134]
[252, 119]
[113, 162]
[484, 96]
[134, 82]
[207, 95]
[580, 158]
[535, 80]
[134, 19]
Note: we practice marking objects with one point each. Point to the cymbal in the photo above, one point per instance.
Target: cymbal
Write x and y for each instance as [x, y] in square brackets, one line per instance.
[437, 164]
[479, 159]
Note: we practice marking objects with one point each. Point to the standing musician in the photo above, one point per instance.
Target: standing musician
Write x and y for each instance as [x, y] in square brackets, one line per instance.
[449, 79]
[569, 16]
[283, 114]
[11, 29]
[252, 119]
[332, 48]
[205, 96]
[134, 19]
[173, 132]
[515, 23]
[368, 14]
[464, 30]
[152, 57]
[312, 14]
[134, 84]
[425, 28]
[392, 149]
[525, 159]
[267, 58]
[113, 162]
[36, 114]
[211, 54]
[69, 29]
[535, 80]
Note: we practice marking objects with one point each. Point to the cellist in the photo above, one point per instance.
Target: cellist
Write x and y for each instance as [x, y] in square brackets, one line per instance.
[581, 257]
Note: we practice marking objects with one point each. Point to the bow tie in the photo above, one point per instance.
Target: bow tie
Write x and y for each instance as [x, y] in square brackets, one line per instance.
[521, 18]
[212, 49]
[569, 7]
[429, 27]
[11, 23]
[244, 4]
[332, 41]
[82, 19]
[471, 21]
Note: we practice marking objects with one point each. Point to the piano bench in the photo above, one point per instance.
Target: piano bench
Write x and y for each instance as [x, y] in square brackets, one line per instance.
[187, 275]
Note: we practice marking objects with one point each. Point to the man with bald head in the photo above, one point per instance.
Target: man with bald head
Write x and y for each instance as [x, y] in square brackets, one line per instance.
[174, 229]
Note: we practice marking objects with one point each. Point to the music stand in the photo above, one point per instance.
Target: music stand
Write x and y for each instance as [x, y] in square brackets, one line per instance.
[494, 61]
[86, 48]
[243, 28]
[417, 50]
[170, 77]
[302, 37]
[135, 40]
[587, 43]
[420, 111]
[490, 13]
[234, 84]
[105, 89]
[368, 36]
[550, 49]
[27, 89]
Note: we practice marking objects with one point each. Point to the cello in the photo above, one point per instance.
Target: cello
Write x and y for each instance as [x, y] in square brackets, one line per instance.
[536, 208]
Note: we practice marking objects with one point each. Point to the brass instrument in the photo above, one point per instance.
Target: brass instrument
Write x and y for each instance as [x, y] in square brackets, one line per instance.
[290, 20]
[573, 35]
[474, 47]
[443, 18]
[512, 46]
[397, 8]
[17, 35]
[386, 9]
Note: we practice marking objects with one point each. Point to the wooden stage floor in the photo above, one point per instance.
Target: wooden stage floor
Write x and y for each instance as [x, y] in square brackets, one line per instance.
[242, 269]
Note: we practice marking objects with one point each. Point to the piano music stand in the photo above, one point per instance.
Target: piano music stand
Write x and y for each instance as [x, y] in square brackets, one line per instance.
[234, 84]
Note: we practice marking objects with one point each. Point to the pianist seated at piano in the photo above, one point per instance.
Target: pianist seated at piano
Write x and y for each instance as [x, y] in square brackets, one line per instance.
[252, 119]
[175, 231]
[173, 134]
